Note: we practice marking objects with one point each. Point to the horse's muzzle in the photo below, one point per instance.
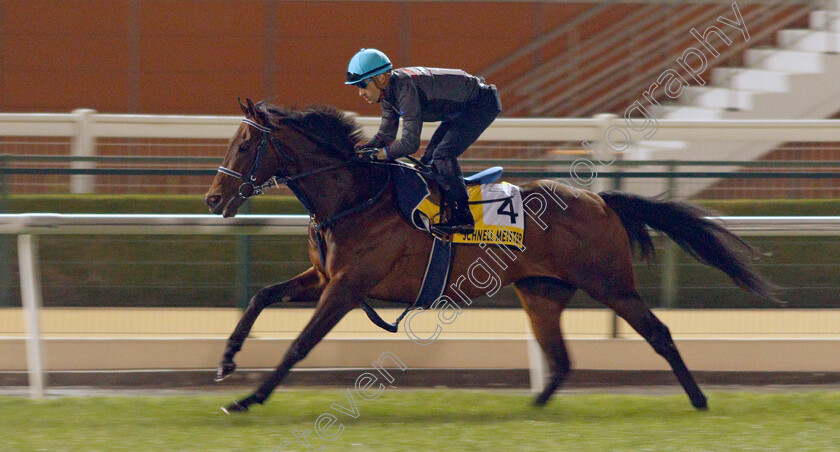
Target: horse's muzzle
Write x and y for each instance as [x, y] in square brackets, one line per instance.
[213, 202]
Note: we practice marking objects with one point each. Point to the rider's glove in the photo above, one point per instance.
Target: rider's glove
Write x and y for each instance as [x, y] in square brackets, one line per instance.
[371, 154]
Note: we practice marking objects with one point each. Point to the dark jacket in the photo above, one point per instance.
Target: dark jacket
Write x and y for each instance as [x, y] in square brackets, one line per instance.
[418, 95]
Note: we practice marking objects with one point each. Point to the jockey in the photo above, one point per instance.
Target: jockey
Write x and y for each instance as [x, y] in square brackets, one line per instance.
[463, 103]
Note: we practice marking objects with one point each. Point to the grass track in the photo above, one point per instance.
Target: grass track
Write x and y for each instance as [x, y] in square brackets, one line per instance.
[429, 420]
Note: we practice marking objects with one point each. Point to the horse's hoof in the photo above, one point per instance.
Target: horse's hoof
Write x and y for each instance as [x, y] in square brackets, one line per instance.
[224, 370]
[235, 407]
[700, 403]
[541, 400]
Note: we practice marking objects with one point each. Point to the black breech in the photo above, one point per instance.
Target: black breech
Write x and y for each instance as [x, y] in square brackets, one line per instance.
[455, 135]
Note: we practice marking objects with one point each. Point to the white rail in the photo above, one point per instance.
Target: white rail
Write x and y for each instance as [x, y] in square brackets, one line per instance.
[29, 226]
[159, 224]
[92, 224]
[503, 129]
[84, 127]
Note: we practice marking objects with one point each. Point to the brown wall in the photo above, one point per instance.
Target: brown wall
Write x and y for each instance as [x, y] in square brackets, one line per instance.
[197, 56]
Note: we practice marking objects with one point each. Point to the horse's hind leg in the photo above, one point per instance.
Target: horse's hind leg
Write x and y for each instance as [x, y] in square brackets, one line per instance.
[638, 315]
[305, 287]
[544, 299]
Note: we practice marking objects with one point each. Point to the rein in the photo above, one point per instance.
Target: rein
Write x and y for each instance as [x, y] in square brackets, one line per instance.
[274, 181]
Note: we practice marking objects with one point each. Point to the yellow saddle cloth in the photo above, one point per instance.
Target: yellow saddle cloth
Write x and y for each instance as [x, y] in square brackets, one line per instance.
[497, 210]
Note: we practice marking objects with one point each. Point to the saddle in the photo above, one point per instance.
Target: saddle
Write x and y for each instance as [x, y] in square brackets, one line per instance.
[412, 189]
[497, 208]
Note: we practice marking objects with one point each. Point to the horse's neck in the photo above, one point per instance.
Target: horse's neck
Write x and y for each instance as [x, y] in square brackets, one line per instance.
[332, 194]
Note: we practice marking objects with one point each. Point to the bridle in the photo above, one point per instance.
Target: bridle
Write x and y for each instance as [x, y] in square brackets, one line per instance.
[249, 181]
[249, 185]
[250, 188]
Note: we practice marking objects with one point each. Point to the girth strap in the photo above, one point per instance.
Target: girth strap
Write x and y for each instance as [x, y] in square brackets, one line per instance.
[434, 285]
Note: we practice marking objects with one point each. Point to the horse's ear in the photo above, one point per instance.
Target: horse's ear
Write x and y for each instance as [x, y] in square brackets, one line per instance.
[257, 114]
[251, 108]
[244, 108]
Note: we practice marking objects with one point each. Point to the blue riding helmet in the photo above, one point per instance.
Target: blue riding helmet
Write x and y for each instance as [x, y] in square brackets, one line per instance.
[365, 64]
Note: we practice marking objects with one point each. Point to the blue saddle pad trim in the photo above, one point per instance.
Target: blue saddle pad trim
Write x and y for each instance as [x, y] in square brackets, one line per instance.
[437, 274]
[487, 176]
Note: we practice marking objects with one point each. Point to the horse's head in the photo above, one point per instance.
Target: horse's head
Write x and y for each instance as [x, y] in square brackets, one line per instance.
[250, 162]
[276, 142]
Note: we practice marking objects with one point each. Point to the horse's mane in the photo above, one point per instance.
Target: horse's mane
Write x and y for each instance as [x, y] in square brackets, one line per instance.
[324, 124]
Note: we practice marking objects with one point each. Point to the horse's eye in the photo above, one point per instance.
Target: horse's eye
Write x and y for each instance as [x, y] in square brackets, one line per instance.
[243, 148]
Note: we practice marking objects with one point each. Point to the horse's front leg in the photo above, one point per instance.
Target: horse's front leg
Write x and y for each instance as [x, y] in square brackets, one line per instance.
[307, 286]
[336, 301]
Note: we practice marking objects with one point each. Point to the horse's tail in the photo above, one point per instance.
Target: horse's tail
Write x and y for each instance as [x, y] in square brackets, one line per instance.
[703, 239]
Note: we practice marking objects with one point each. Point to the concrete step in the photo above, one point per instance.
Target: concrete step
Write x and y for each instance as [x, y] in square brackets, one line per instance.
[831, 5]
[751, 79]
[720, 98]
[784, 60]
[824, 20]
[690, 112]
[809, 40]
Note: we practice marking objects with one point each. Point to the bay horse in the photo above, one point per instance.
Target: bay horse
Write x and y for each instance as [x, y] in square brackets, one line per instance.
[583, 241]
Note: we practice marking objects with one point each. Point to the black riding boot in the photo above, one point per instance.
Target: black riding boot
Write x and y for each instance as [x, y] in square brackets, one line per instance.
[455, 192]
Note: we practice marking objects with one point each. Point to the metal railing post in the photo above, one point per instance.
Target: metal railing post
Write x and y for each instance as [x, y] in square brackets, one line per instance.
[82, 146]
[5, 240]
[616, 185]
[604, 154]
[606, 120]
[536, 366]
[670, 277]
[30, 293]
[4, 186]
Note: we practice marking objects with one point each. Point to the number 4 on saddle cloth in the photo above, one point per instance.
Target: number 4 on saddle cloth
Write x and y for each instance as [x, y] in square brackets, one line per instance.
[496, 208]
[499, 221]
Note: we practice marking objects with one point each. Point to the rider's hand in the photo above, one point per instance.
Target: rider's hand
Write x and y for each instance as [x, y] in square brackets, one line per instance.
[371, 154]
